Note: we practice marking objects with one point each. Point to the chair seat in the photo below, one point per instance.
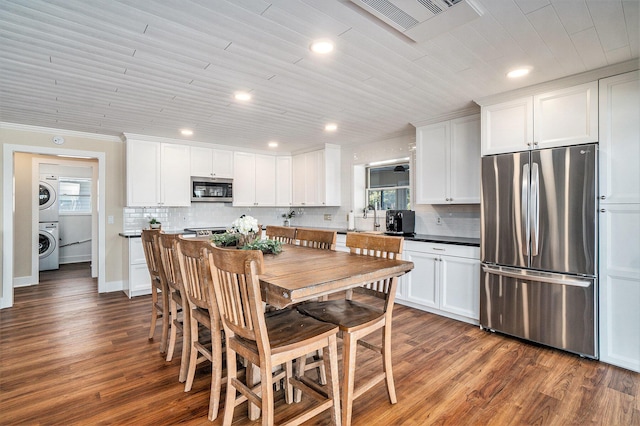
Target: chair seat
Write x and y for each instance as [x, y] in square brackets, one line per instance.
[347, 314]
[289, 327]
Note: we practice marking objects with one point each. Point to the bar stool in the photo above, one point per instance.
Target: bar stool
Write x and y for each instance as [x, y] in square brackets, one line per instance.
[159, 289]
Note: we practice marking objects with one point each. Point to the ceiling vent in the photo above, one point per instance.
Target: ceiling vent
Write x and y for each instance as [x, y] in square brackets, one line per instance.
[421, 20]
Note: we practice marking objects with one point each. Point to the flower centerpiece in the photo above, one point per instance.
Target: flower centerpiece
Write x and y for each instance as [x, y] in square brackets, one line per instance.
[247, 229]
[287, 217]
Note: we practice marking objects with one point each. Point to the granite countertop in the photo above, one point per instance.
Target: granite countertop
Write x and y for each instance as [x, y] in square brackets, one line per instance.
[464, 241]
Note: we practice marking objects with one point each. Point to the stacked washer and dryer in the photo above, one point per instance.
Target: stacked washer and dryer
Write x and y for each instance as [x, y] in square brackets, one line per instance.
[48, 227]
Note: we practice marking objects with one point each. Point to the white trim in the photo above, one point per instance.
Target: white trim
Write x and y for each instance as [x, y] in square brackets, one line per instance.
[60, 132]
[24, 282]
[8, 191]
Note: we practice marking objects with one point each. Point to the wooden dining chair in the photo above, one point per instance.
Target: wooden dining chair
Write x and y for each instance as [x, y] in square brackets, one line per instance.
[159, 291]
[195, 267]
[284, 234]
[357, 319]
[316, 238]
[267, 341]
[178, 303]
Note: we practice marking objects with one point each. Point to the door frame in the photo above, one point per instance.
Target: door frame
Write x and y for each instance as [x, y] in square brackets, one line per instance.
[8, 206]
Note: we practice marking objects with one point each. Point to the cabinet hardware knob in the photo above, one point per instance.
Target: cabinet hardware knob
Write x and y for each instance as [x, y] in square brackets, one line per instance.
[535, 143]
[528, 143]
[603, 210]
[603, 197]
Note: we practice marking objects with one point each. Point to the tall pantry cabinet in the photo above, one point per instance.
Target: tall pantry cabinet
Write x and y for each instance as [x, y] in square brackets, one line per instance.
[620, 220]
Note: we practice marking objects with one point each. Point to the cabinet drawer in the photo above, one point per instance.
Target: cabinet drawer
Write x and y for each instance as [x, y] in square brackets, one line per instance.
[443, 249]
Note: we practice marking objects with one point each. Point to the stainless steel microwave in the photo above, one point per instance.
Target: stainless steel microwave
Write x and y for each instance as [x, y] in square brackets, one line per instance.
[212, 190]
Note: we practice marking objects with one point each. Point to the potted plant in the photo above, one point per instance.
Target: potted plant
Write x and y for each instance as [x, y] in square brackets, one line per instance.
[287, 217]
[154, 224]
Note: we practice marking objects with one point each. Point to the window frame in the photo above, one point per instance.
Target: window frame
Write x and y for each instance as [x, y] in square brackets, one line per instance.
[369, 189]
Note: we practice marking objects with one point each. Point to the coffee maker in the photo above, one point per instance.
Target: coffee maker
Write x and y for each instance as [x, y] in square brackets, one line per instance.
[401, 222]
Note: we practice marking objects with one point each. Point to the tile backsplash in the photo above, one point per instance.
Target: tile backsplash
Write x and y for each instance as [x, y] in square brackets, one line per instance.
[456, 220]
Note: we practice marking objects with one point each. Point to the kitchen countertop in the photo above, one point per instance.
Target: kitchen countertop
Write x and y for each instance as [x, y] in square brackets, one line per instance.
[464, 241]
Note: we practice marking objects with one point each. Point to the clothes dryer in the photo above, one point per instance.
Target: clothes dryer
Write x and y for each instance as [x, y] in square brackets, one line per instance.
[48, 198]
[48, 246]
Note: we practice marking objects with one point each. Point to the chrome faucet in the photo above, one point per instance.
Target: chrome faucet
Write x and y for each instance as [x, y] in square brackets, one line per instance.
[376, 225]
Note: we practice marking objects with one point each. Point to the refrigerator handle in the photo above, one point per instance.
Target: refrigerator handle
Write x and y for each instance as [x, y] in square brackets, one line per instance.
[533, 276]
[524, 209]
[534, 214]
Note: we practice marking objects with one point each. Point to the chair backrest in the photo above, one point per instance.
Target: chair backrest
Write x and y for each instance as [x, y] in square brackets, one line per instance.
[316, 238]
[151, 249]
[195, 268]
[284, 234]
[384, 246]
[235, 276]
[170, 262]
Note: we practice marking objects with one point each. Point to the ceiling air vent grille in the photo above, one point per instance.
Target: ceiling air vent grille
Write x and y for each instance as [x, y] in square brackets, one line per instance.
[392, 12]
[421, 20]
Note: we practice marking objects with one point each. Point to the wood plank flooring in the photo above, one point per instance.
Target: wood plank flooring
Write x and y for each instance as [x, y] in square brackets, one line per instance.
[71, 356]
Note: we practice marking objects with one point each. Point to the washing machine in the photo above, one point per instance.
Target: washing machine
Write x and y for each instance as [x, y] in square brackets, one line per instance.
[48, 198]
[48, 242]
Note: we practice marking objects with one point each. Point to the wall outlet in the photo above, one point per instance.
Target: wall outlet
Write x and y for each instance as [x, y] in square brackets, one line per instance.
[110, 220]
[327, 216]
[439, 220]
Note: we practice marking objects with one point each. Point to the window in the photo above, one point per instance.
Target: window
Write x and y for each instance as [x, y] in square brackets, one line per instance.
[75, 195]
[388, 187]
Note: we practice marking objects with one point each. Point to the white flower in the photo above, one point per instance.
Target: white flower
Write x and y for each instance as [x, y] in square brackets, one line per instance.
[245, 225]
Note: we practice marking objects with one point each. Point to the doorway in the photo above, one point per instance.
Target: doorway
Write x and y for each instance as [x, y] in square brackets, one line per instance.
[9, 210]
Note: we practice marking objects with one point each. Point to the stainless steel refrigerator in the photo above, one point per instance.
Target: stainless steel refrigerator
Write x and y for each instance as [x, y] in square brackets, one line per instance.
[538, 233]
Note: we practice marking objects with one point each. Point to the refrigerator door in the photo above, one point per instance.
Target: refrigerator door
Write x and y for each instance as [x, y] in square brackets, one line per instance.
[562, 209]
[553, 309]
[504, 210]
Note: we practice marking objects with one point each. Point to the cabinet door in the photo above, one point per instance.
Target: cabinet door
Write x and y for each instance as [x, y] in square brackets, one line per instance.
[507, 126]
[314, 188]
[566, 116]
[299, 177]
[201, 161]
[222, 163]
[432, 163]
[620, 285]
[143, 173]
[331, 183]
[465, 160]
[460, 281]
[265, 180]
[175, 178]
[619, 136]
[283, 181]
[244, 179]
[421, 284]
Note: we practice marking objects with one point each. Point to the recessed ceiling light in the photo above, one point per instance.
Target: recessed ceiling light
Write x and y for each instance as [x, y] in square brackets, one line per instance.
[186, 132]
[519, 72]
[331, 127]
[242, 96]
[322, 46]
[273, 144]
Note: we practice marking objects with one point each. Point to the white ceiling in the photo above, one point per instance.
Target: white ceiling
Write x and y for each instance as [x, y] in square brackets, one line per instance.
[154, 67]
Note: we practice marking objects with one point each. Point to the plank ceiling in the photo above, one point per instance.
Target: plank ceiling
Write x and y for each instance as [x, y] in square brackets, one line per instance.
[154, 67]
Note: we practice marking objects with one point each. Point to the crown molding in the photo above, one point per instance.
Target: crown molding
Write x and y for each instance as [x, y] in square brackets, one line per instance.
[58, 132]
[472, 110]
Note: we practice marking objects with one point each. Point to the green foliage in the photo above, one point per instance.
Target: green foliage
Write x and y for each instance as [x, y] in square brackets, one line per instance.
[225, 240]
[265, 246]
[153, 221]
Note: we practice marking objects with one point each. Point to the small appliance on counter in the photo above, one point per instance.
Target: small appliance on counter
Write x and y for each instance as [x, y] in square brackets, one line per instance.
[401, 222]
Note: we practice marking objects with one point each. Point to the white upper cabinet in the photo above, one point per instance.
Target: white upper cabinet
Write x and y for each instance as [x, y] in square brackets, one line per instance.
[283, 181]
[157, 174]
[316, 177]
[620, 138]
[561, 117]
[448, 162]
[254, 181]
[207, 162]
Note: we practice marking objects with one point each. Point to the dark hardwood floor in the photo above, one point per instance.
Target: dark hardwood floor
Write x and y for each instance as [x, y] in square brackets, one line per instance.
[69, 355]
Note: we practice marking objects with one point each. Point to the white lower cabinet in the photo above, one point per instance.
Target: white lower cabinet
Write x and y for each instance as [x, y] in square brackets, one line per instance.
[620, 285]
[445, 280]
[137, 280]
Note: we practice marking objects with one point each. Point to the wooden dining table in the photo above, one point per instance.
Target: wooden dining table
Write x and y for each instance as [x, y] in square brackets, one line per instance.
[302, 273]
